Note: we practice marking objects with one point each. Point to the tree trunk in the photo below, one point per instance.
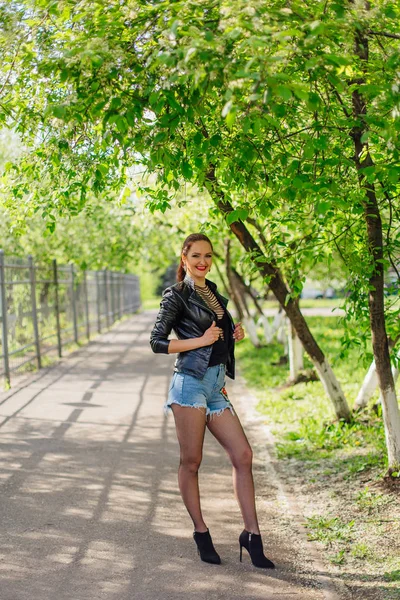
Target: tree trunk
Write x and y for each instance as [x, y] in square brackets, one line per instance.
[235, 297]
[239, 301]
[270, 273]
[369, 386]
[246, 289]
[370, 382]
[296, 363]
[277, 322]
[222, 277]
[367, 389]
[248, 319]
[268, 332]
[390, 407]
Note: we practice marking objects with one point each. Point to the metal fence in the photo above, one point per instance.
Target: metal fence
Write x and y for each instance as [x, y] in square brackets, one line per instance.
[45, 307]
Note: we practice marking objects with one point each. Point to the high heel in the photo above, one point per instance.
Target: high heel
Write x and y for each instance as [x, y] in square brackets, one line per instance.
[205, 547]
[254, 546]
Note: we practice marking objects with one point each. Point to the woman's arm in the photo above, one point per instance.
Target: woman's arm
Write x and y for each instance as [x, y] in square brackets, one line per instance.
[170, 309]
[185, 345]
[209, 337]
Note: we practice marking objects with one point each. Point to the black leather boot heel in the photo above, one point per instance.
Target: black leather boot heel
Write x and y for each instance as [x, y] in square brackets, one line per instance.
[205, 547]
[253, 544]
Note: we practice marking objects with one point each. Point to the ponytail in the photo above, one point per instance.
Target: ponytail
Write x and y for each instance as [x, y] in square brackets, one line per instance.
[180, 274]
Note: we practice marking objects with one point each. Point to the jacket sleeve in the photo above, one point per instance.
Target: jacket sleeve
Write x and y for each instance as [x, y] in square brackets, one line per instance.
[170, 309]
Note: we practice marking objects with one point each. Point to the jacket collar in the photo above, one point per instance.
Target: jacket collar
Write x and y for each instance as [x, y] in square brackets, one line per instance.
[190, 282]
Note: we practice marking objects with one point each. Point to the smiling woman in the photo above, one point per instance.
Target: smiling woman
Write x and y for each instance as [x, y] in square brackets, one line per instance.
[206, 334]
[198, 260]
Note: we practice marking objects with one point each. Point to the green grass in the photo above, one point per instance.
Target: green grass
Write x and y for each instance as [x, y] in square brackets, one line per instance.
[393, 575]
[329, 530]
[369, 501]
[302, 417]
[338, 459]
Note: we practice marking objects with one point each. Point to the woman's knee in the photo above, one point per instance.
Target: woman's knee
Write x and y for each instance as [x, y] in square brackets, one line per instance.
[243, 459]
[190, 462]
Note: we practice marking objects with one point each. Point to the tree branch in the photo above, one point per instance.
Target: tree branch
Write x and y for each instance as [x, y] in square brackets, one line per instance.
[393, 36]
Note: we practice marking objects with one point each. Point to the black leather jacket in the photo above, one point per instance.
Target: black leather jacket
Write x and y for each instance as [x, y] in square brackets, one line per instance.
[184, 311]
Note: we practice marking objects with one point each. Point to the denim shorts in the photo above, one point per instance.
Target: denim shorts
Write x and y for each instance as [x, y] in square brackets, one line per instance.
[208, 392]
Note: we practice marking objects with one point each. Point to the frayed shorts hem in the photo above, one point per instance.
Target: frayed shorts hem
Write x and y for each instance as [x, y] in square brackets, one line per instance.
[209, 414]
[208, 394]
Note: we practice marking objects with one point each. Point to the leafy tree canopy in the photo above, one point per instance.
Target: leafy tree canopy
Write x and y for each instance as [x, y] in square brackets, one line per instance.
[255, 96]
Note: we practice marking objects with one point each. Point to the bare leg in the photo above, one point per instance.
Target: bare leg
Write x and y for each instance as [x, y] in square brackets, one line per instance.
[190, 426]
[226, 428]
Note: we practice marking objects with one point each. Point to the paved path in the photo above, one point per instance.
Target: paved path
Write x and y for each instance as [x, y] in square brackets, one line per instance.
[89, 503]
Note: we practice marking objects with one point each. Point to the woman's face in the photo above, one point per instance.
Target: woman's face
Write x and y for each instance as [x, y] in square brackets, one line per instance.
[198, 260]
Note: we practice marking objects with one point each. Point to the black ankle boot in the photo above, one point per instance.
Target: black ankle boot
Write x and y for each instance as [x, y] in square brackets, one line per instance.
[253, 544]
[206, 548]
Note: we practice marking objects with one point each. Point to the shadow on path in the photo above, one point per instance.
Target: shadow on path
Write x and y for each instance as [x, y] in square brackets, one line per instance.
[90, 507]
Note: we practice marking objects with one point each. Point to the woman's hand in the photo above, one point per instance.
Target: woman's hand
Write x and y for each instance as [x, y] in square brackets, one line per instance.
[211, 335]
[238, 333]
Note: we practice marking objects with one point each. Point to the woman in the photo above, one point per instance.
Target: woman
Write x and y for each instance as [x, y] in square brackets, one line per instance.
[206, 334]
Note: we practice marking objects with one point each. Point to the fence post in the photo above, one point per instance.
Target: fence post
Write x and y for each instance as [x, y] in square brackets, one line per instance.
[112, 291]
[98, 302]
[32, 279]
[106, 299]
[3, 308]
[85, 289]
[119, 295]
[57, 306]
[73, 300]
[123, 293]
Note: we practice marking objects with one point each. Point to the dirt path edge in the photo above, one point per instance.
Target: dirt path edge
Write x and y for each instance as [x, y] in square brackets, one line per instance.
[332, 588]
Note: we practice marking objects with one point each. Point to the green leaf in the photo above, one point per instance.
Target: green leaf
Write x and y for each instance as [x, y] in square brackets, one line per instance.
[336, 59]
[313, 101]
[59, 111]
[130, 117]
[231, 217]
[64, 73]
[242, 213]
[365, 137]
[215, 140]
[284, 92]
[160, 137]
[187, 170]
[121, 124]
[322, 207]
[103, 168]
[198, 138]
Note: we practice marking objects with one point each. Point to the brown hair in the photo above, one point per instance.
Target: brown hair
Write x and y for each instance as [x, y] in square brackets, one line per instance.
[193, 237]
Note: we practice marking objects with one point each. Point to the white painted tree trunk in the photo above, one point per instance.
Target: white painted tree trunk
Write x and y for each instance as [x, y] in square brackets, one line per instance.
[395, 377]
[332, 388]
[369, 386]
[268, 332]
[281, 332]
[277, 321]
[391, 419]
[296, 362]
[251, 329]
